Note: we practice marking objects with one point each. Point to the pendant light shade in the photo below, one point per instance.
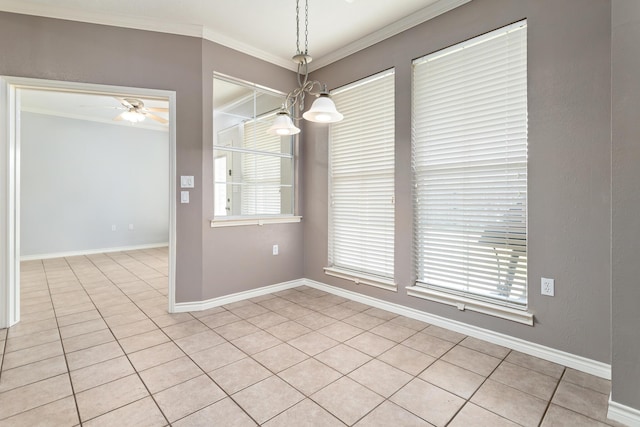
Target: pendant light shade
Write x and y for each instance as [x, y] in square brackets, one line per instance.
[323, 110]
[283, 125]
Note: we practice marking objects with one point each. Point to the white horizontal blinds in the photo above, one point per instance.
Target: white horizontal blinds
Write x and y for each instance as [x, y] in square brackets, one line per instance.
[361, 234]
[469, 129]
[261, 173]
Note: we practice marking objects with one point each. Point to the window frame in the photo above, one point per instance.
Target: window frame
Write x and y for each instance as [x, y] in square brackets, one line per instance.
[463, 300]
[352, 272]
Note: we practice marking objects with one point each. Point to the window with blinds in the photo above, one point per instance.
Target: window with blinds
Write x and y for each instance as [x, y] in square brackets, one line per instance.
[361, 182]
[469, 160]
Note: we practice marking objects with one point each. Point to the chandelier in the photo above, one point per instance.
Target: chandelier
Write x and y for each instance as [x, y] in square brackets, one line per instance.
[323, 110]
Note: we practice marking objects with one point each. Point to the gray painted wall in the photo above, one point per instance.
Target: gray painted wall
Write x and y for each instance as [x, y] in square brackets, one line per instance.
[569, 52]
[626, 202]
[71, 51]
[79, 178]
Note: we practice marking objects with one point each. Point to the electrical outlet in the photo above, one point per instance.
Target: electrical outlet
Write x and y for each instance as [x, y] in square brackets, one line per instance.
[275, 249]
[547, 286]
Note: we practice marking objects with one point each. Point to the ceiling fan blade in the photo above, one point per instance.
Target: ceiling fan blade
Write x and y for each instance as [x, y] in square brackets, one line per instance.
[157, 109]
[124, 102]
[157, 118]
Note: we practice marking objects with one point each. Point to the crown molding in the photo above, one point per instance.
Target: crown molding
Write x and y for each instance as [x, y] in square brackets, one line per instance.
[423, 15]
[197, 30]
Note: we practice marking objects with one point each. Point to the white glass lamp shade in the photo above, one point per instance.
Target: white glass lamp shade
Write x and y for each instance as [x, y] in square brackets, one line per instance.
[323, 110]
[283, 125]
[133, 116]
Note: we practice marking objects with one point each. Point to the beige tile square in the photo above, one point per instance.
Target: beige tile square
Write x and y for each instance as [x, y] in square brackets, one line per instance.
[185, 329]
[316, 321]
[31, 340]
[428, 344]
[225, 412]
[84, 316]
[340, 331]
[33, 395]
[474, 416]
[355, 305]
[364, 321]
[131, 329]
[582, 400]
[452, 378]
[33, 372]
[510, 403]
[82, 328]
[154, 356]
[359, 402]
[142, 341]
[429, 402]
[275, 303]
[378, 312]
[288, 330]
[169, 374]
[267, 398]
[407, 359]
[231, 331]
[309, 376]
[31, 354]
[540, 365]
[294, 311]
[338, 312]
[390, 414]
[92, 339]
[171, 319]
[256, 342]
[219, 319]
[485, 347]
[393, 332]
[559, 416]
[280, 357]
[141, 413]
[313, 343]
[188, 397]
[267, 320]
[445, 334]
[526, 380]
[61, 413]
[249, 310]
[218, 356]
[198, 342]
[407, 322]
[101, 373]
[305, 414]
[343, 358]
[380, 377]
[239, 375]
[371, 344]
[587, 381]
[107, 397]
[92, 355]
[472, 360]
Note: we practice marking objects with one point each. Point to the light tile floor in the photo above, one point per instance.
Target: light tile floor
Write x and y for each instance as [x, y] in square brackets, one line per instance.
[96, 347]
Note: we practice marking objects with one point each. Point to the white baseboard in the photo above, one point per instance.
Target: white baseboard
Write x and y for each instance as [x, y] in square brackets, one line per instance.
[182, 307]
[580, 363]
[623, 414]
[92, 251]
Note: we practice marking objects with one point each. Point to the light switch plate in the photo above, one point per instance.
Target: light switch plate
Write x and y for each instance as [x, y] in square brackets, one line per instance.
[186, 182]
[184, 197]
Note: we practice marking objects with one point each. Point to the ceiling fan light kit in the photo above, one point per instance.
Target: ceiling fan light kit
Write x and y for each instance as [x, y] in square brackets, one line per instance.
[323, 109]
[135, 111]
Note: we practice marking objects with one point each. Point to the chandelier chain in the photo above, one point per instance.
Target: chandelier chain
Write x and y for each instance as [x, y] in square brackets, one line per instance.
[306, 27]
[297, 26]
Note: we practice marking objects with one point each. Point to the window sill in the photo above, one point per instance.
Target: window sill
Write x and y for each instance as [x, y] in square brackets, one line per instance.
[464, 303]
[362, 279]
[237, 222]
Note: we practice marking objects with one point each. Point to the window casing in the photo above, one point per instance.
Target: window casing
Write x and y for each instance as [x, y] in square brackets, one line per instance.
[258, 177]
[361, 183]
[469, 163]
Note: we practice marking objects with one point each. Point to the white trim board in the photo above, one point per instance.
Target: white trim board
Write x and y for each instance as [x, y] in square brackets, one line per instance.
[93, 251]
[623, 414]
[580, 363]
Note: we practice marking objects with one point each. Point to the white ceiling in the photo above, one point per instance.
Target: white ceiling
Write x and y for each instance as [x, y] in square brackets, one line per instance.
[262, 28]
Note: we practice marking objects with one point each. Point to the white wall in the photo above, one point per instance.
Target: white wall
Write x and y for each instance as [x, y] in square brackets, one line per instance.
[78, 178]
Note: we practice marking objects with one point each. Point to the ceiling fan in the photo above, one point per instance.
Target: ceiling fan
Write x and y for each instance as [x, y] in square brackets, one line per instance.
[135, 111]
